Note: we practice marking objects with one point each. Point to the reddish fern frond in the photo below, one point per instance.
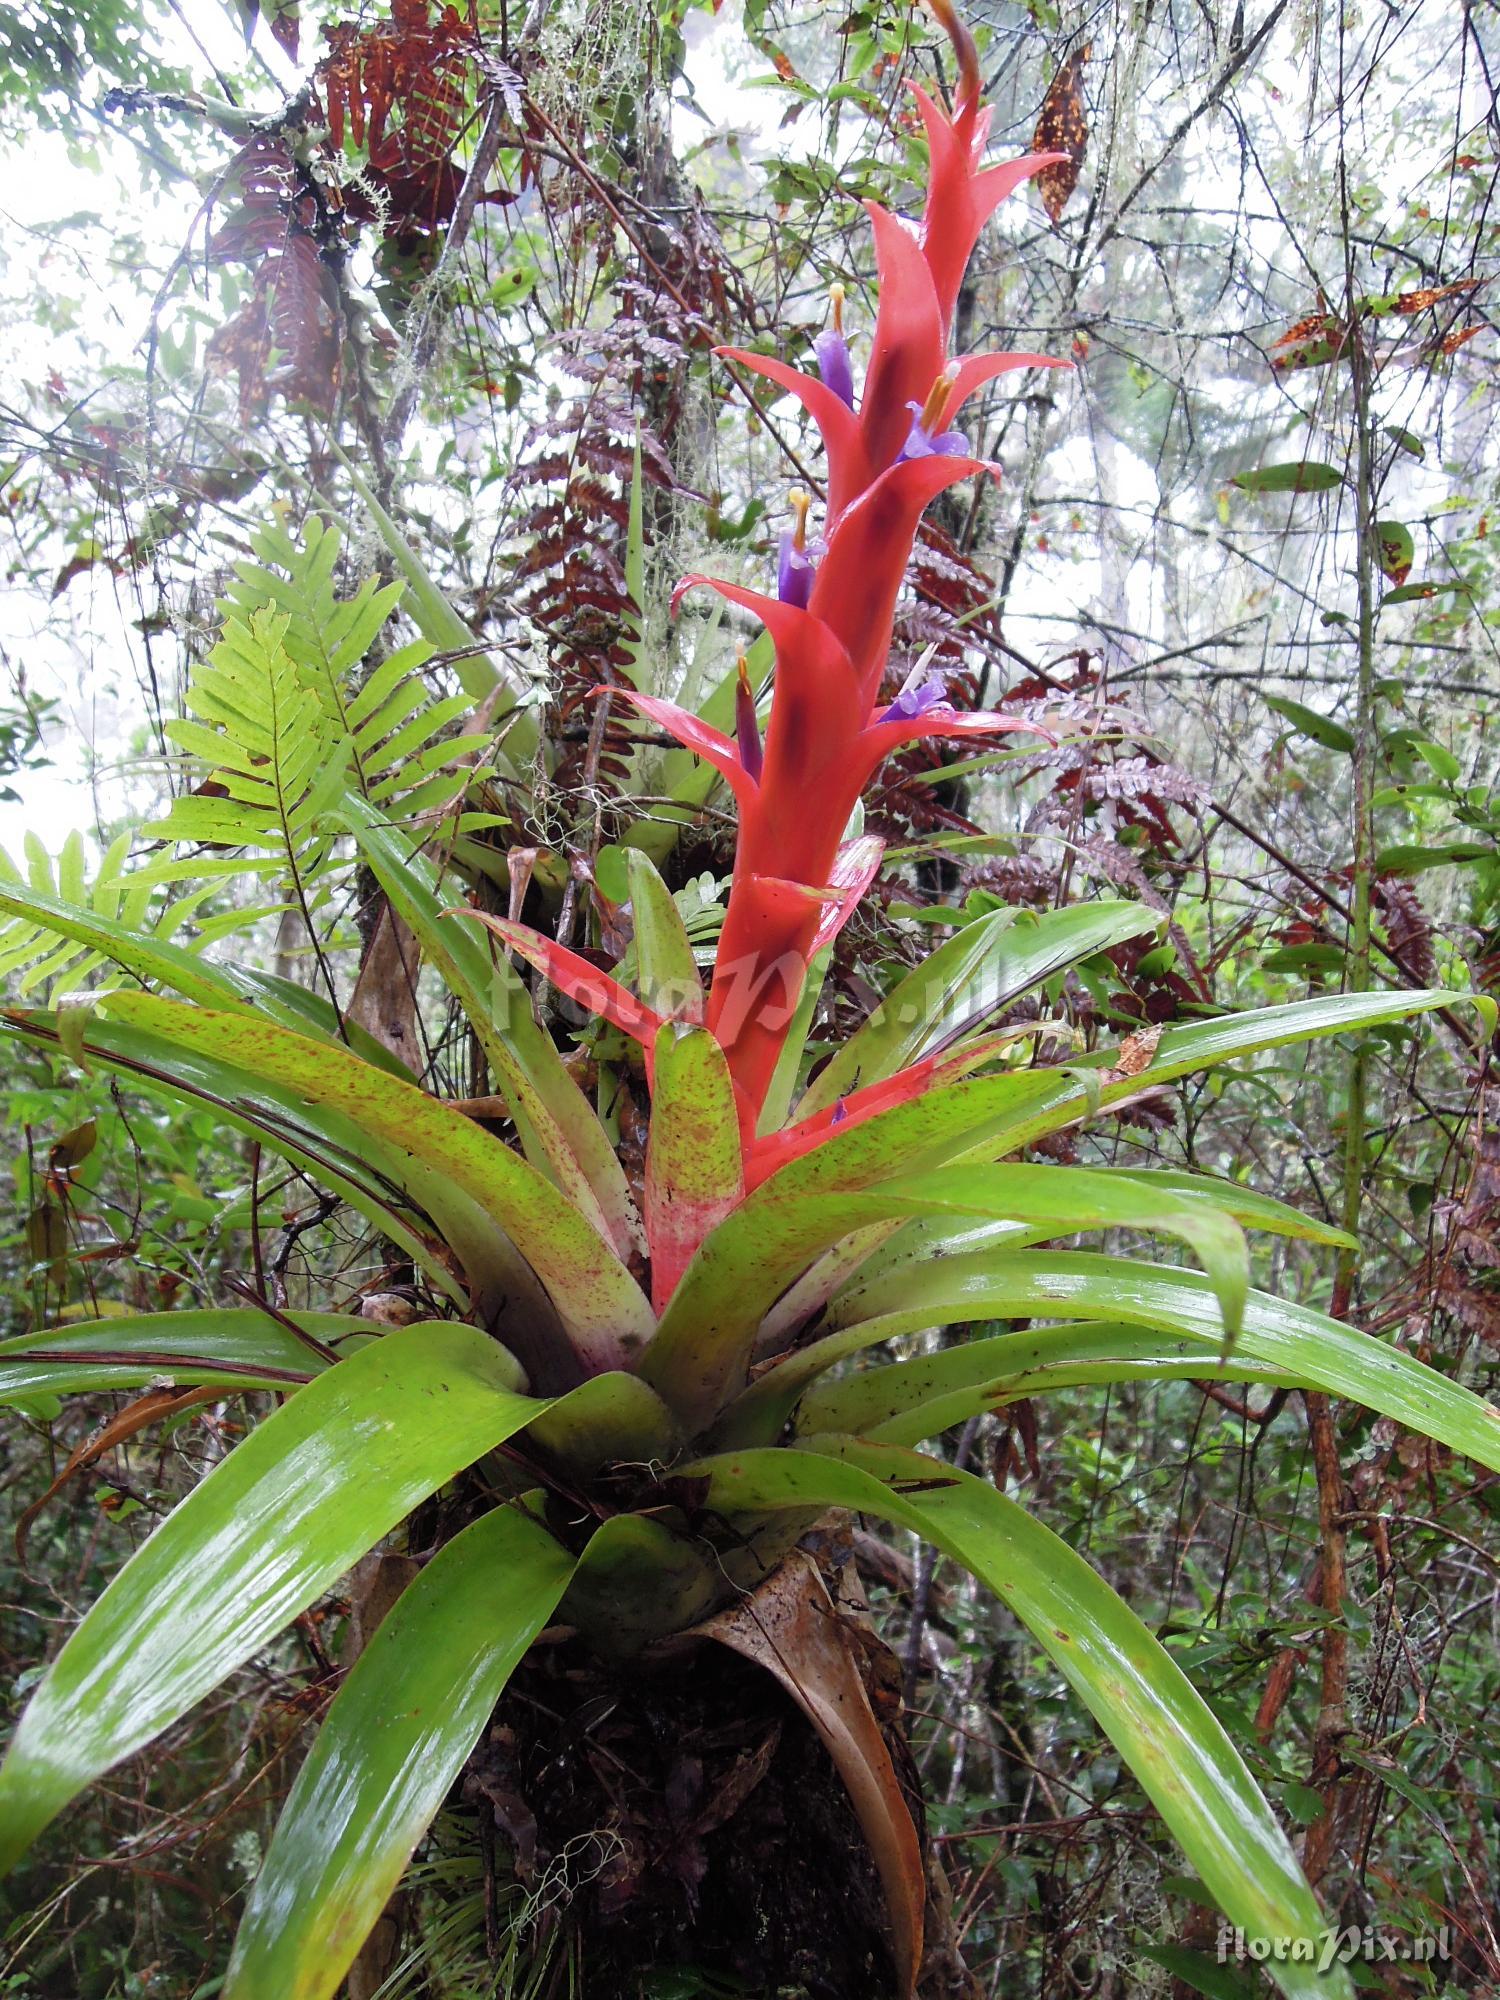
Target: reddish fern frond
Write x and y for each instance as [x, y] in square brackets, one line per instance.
[287, 336]
[402, 89]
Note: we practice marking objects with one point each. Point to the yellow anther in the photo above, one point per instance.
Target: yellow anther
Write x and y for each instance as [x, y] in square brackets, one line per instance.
[939, 401]
[836, 300]
[800, 503]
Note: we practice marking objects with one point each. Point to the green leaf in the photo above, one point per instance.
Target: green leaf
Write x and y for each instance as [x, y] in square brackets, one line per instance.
[1200, 1972]
[667, 976]
[308, 1013]
[1294, 1339]
[287, 1513]
[905, 1402]
[1308, 722]
[1247, 1205]
[697, 1375]
[638, 1580]
[275, 757]
[1403, 1786]
[605, 1420]
[1406, 860]
[377, 1180]
[399, 737]
[776, 1108]
[1405, 440]
[1408, 593]
[1179, 1752]
[1319, 959]
[232, 1350]
[1303, 475]
[633, 634]
[601, 1305]
[437, 620]
[1181, 1051]
[109, 921]
[557, 1125]
[705, 1334]
[1437, 758]
[965, 982]
[1068, 1199]
[395, 1739]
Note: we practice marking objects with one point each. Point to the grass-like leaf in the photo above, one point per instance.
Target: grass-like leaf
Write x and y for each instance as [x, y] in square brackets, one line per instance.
[294, 1507]
[396, 1737]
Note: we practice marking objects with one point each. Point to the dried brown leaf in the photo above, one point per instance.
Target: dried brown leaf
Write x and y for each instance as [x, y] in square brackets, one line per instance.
[789, 1626]
[1062, 127]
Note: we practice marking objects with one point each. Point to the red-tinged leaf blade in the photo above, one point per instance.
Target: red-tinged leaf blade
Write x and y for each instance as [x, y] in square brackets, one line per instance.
[1422, 300]
[289, 1511]
[1312, 343]
[240, 1349]
[574, 975]
[558, 1126]
[857, 865]
[375, 1179]
[395, 1739]
[779, 1149]
[698, 1355]
[1394, 549]
[693, 1173]
[1460, 337]
[966, 982]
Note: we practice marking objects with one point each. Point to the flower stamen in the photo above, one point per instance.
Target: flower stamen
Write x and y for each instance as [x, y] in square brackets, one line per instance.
[939, 400]
[796, 565]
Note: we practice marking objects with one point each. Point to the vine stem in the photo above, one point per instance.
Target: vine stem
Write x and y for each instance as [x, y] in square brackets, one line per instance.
[1333, 1716]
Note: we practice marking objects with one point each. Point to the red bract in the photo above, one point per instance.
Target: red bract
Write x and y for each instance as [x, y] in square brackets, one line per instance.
[890, 452]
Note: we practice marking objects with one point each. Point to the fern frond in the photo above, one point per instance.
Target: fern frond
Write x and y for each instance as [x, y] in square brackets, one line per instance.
[276, 759]
[67, 926]
[402, 754]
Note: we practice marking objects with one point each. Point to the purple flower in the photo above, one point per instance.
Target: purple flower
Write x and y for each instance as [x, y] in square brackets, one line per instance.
[794, 572]
[921, 443]
[832, 351]
[796, 561]
[927, 438]
[920, 695]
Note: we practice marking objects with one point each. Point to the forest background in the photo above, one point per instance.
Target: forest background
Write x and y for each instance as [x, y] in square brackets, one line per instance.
[262, 263]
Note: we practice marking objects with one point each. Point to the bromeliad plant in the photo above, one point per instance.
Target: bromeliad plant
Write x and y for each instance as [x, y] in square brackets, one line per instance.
[649, 1392]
